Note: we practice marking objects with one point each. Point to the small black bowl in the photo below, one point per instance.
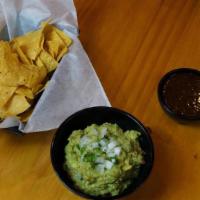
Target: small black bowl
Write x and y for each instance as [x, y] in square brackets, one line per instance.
[162, 100]
[100, 115]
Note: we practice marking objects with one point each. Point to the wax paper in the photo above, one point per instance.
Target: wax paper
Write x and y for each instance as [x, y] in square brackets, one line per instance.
[74, 85]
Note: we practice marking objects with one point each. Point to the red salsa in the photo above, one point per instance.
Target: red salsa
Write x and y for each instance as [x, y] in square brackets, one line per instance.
[182, 94]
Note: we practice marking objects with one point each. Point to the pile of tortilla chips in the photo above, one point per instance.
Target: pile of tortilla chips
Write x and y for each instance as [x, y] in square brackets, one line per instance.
[25, 65]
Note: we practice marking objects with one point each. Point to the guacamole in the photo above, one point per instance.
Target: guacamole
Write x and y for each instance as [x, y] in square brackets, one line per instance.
[102, 159]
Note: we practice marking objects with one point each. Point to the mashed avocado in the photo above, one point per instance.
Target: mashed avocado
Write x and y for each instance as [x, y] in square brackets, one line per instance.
[102, 159]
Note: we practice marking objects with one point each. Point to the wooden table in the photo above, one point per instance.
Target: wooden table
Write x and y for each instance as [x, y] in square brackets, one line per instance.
[131, 44]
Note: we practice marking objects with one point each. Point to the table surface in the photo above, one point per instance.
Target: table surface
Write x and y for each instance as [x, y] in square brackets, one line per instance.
[131, 45]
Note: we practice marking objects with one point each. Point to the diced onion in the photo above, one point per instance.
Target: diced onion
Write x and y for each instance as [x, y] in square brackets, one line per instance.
[104, 149]
[108, 164]
[111, 145]
[84, 141]
[100, 160]
[102, 143]
[103, 132]
[94, 145]
[117, 150]
[111, 154]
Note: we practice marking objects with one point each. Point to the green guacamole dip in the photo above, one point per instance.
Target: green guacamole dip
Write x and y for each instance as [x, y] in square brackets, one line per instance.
[102, 159]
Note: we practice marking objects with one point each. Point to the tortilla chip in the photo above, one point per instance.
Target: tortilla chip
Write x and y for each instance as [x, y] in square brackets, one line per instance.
[26, 65]
[2, 115]
[52, 47]
[39, 62]
[51, 35]
[31, 43]
[49, 62]
[53, 43]
[6, 93]
[45, 23]
[37, 88]
[25, 115]
[27, 92]
[17, 104]
[42, 88]
[66, 39]
[14, 73]
[36, 76]
[56, 41]
[61, 53]
[23, 58]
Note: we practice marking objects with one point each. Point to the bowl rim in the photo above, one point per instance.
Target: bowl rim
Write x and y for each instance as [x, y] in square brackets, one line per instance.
[146, 131]
[161, 98]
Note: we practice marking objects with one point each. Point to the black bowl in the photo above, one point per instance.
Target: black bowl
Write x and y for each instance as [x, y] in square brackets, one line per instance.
[100, 115]
[161, 97]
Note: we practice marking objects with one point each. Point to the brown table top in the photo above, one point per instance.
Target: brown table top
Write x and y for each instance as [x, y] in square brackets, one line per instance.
[131, 45]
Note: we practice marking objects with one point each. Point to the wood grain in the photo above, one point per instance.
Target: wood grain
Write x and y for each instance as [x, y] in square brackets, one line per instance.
[131, 44]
